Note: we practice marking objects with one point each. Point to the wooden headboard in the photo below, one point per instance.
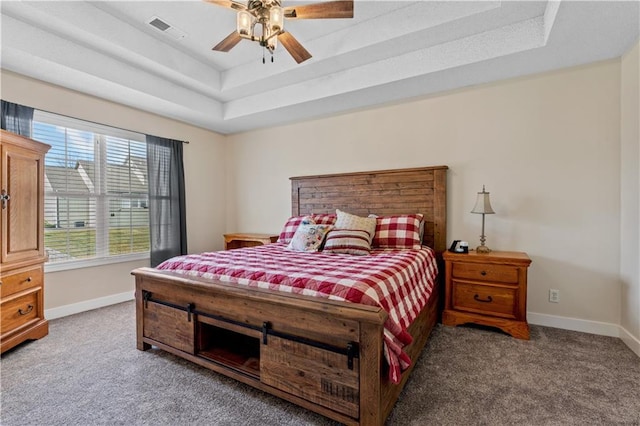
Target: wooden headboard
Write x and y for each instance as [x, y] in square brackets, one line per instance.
[385, 192]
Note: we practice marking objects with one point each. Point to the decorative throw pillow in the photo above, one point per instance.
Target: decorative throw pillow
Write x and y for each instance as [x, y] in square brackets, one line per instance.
[422, 224]
[398, 232]
[324, 218]
[347, 241]
[350, 221]
[290, 227]
[308, 237]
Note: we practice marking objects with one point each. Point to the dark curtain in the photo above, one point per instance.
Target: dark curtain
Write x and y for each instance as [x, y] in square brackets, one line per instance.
[17, 118]
[167, 215]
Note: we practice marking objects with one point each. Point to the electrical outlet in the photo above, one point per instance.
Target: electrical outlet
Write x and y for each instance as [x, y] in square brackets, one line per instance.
[554, 295]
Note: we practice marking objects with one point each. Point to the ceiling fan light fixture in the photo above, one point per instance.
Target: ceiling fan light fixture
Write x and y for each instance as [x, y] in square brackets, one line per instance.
[269, 16]
[272, 43]
[244, 23]
[276, 19]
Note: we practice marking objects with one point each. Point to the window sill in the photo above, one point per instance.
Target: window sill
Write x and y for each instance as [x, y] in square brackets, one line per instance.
[77, 264]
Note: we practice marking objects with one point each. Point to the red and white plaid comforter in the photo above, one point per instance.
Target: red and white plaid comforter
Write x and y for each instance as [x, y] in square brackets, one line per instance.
[399, 281]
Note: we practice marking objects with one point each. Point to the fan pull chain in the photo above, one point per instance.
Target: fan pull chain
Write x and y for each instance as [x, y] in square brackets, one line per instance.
[263, 59]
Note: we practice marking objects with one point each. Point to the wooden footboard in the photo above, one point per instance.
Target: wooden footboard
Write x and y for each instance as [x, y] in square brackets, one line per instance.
[322, 355]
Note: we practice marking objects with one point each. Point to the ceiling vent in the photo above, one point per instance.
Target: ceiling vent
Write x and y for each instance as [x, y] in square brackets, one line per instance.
[166, 28]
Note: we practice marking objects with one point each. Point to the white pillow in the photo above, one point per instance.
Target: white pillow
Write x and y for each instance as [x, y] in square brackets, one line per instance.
[350, 221]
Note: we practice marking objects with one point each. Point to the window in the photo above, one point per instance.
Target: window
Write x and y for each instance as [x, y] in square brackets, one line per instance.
[96, 191]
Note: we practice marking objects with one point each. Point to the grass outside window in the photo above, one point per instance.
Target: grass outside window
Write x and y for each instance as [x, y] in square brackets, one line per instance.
[81, 243]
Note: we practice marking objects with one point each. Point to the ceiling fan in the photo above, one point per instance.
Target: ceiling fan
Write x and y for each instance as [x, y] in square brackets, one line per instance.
[268, 16]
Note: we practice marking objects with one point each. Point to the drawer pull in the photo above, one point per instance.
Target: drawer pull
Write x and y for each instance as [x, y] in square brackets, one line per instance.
[28, 279]
[29, 309]
[4, 197]
[489, 299]
[483, 273]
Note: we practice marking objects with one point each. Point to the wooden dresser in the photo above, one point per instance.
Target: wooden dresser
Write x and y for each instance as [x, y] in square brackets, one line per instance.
[488, 289]
[22, 254]
[234, 241]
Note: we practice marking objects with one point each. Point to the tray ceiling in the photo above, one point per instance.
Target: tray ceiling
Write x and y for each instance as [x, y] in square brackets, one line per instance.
[389, 52]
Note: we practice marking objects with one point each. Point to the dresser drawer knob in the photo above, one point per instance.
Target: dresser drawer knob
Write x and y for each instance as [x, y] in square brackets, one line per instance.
[29, 309]
[483, 273]
[28, 279]
[477, 298]
[4, 197]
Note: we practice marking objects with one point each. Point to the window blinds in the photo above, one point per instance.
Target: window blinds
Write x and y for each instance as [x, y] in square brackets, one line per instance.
[96, 189]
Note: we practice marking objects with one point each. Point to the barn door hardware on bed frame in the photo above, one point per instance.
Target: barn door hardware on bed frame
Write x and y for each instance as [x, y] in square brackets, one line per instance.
[351, 350]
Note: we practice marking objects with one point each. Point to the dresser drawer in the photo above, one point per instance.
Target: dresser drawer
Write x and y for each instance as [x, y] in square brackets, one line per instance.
[20, 280]
[486, 272]
[484, 299]
[18, 311]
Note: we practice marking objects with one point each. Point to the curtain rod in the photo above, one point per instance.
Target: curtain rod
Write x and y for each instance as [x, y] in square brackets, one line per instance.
[100, 124]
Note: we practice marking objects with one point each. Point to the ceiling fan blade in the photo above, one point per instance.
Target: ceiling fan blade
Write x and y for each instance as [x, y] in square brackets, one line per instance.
[227, 3]
[228, 43]
[294, 47]
[326, 10]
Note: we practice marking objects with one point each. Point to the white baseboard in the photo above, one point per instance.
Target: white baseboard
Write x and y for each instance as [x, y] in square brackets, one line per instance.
[87, 305]
[586, 326]
[630, 340]
[574, 324]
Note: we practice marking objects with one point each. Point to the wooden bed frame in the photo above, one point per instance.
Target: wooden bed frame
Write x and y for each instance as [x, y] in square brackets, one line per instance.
[323, 355]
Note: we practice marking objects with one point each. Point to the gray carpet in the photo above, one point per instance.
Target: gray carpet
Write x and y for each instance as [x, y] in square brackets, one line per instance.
[88, 372]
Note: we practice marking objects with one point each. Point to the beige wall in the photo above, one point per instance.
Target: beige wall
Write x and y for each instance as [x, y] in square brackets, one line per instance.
[205, 171]
[630, 200]
[547, 147]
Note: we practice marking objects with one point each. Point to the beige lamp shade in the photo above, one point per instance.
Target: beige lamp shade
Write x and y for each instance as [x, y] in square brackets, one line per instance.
[483, 204]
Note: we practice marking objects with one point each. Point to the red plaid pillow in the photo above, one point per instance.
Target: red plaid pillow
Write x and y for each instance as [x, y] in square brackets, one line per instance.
[324, 218]
[291, 226]
[398, 232]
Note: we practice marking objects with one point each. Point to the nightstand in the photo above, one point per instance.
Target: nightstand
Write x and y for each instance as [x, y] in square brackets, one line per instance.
[488, 289]
[234, 241]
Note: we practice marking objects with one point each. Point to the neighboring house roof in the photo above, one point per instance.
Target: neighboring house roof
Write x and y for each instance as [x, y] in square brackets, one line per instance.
[63, 179]
[81, 178]
[137, 163]
[129, 177]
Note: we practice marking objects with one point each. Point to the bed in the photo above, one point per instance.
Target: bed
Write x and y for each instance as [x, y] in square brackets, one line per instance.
[329, 356]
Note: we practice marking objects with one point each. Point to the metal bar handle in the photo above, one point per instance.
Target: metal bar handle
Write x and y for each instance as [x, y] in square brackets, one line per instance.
[477, 298]
[29, 309]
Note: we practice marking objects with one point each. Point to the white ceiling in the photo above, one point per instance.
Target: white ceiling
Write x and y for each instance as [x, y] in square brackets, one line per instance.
[390, 51]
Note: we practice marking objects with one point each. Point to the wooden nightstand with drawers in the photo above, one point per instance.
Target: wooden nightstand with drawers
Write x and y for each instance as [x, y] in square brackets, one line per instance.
[234, 241]
[488, 289]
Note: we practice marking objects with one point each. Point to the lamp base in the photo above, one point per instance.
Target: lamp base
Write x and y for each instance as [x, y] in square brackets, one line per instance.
[483, 249]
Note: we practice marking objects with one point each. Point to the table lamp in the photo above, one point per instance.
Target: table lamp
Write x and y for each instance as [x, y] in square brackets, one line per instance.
[483, 206]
